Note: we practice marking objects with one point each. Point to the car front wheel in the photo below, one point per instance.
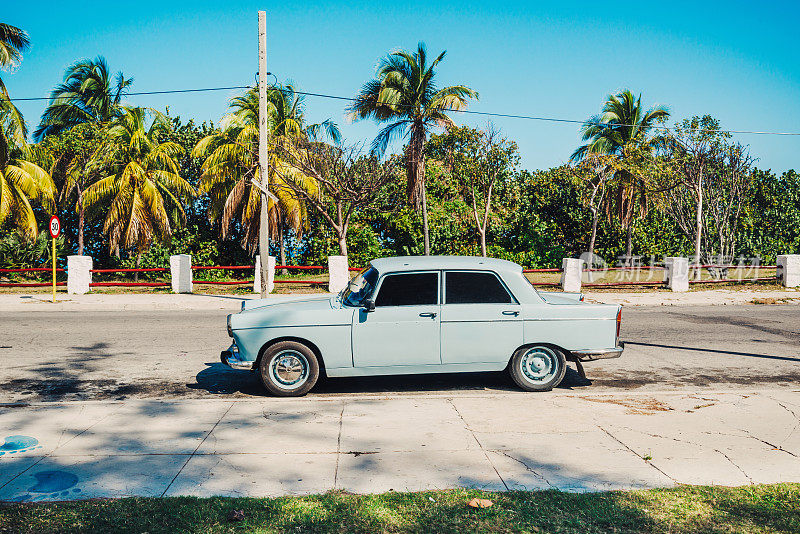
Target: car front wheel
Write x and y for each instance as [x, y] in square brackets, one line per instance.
[289, 369]
[538, 368]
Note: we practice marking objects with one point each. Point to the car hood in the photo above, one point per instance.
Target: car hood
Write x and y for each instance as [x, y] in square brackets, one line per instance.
[278, 301]
[318, 311]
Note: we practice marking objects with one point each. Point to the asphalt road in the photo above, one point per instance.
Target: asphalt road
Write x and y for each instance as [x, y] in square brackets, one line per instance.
[68, 355]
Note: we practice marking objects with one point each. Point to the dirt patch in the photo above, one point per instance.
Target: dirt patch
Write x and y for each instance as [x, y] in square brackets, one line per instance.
[689, 377]
[44, 390]
[770, 300]
[634, 405]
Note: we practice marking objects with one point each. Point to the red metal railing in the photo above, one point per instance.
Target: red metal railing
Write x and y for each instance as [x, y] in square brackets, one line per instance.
[623, 283]
[243, 282]
[32, 270]
[117, 283]
[222, 268]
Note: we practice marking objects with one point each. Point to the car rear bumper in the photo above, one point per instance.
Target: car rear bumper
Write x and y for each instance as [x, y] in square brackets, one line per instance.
[231, 358]
[588, 355]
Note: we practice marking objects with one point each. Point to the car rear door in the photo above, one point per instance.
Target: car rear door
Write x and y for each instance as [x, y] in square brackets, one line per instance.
[481, 319]
[403, 329]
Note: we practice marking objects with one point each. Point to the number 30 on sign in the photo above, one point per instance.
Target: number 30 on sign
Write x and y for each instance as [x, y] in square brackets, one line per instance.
[55, 227]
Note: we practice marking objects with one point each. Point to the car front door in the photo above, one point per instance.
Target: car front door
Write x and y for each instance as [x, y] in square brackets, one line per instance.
[403, 329]
[481, 320]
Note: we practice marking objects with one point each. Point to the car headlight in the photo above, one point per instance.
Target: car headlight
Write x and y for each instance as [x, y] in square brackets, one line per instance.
[230, 330]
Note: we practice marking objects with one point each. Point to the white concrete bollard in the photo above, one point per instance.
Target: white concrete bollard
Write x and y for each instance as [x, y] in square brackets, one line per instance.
[676, 275]
[338, 274]
[788, 271]
[571, 272]
[180, 270]
[79, 274]
[270, 274]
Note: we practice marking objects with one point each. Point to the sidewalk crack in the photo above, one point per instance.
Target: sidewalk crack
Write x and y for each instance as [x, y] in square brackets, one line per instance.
[529, 469]
[194, 452]
[734, 464]
[338, 447]
[485, 453]
[612, 436]
[765, 442]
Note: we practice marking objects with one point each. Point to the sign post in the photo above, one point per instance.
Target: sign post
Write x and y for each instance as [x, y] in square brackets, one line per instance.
[55, 231]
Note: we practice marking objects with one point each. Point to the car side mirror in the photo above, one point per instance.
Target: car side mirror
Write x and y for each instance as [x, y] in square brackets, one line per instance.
[369, 305]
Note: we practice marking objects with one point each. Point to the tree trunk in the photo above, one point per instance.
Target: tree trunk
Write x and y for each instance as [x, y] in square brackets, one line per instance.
[81, 218]
[629, 242]
[595, 217]
[426, 239]
[281, 230]
[416, 167]
[698, 221]
[342, 235]
[482, 233]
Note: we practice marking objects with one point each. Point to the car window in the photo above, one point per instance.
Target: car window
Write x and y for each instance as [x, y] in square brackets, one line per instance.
[474, 288]
[408, 289]
[360, 287]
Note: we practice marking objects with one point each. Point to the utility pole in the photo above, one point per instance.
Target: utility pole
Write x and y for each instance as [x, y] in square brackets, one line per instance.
[263, 162]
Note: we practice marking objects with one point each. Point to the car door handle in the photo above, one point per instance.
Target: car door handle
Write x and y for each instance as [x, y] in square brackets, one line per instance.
[428, 314]
[511, 312]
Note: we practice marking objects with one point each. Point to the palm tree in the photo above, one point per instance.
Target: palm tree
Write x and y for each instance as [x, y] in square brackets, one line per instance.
[231, 164]
[13, 41]
[404, 94]
[621, 127]
[140, 189]
[21, 181]
[87, 94]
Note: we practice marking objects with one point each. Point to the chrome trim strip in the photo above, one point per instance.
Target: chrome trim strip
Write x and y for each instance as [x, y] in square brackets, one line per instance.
[570, 318]
[230, 358]
[291, 326]
[588, 355]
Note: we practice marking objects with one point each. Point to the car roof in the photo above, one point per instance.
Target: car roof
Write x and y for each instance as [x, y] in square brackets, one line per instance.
[417, 263]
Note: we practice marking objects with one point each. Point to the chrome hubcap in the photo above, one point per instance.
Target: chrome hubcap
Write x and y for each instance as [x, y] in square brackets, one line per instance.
[289, 369]
[539, 364]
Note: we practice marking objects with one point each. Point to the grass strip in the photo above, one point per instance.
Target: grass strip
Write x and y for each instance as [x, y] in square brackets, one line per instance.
[694, 509]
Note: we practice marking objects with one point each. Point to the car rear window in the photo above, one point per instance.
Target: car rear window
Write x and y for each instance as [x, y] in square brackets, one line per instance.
[409, 289]
[474, 288]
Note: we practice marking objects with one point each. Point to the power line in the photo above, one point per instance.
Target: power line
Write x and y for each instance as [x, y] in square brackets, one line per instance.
[553, 119]
[464, 111]
[171, 91]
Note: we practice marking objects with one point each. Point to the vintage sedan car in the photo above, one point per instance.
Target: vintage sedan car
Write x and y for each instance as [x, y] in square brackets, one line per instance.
[412, 315]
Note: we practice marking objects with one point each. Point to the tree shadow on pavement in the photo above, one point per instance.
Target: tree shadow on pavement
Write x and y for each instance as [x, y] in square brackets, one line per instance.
[219, 379]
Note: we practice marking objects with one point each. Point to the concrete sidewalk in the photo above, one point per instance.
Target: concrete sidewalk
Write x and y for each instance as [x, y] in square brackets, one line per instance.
[267, 447]
[233, 302]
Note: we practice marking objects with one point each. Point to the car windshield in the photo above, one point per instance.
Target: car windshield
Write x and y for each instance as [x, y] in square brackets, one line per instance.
[360, 287]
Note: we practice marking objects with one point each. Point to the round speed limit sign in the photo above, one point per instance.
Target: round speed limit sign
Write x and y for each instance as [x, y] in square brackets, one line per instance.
[55, 227]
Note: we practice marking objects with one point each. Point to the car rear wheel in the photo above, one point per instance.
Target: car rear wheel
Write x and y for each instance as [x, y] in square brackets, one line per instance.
[538, 368]
[289, 369]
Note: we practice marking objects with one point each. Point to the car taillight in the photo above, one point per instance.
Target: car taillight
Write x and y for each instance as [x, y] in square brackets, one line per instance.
[619, 321]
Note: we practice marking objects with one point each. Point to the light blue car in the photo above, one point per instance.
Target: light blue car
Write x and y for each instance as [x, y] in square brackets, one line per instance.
[414, 315]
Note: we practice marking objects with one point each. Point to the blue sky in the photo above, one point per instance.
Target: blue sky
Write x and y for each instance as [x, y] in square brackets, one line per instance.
[737, 61]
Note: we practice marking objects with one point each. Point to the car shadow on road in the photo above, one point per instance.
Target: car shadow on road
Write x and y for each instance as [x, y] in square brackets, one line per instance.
[716, 351]
[219, 379]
